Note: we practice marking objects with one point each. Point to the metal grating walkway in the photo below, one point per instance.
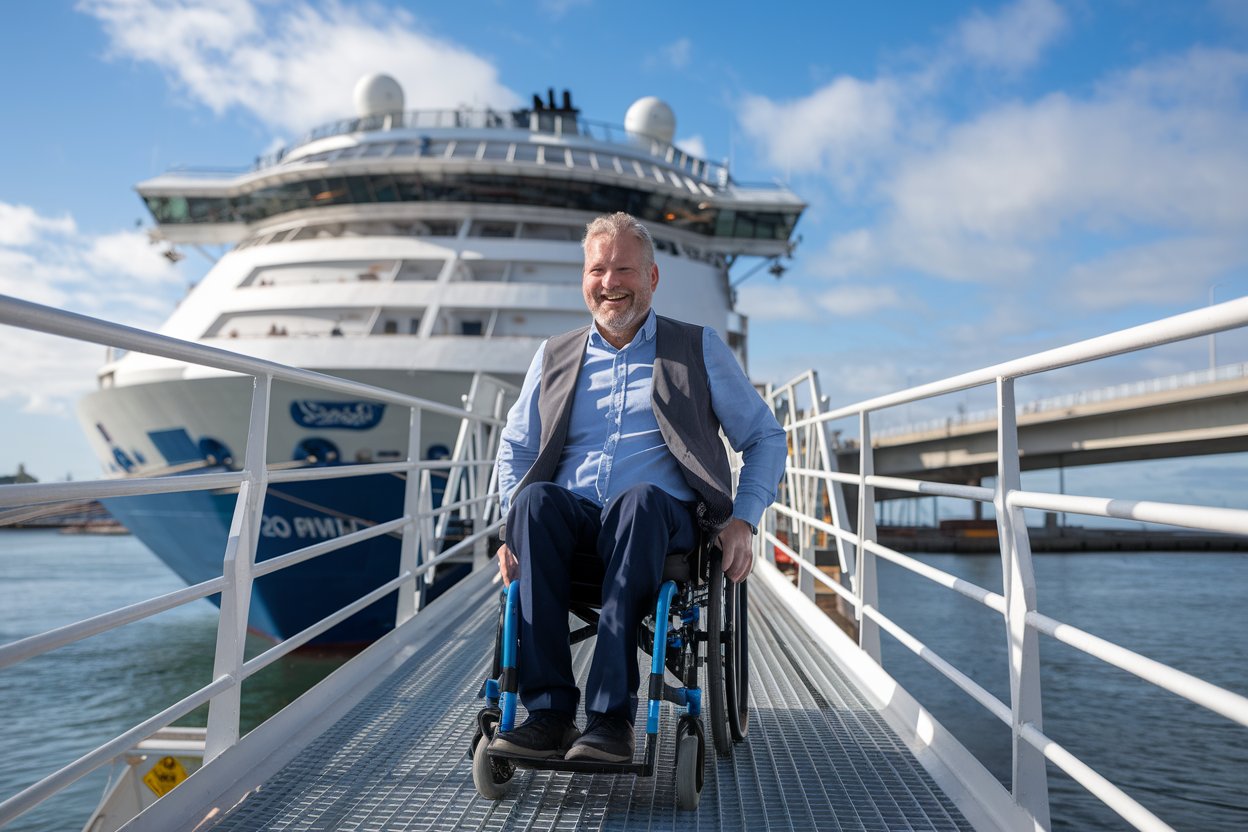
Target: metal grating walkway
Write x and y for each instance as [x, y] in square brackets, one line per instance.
[817, 757]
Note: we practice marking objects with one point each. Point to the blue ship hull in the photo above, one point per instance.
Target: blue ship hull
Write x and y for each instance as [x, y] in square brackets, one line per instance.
[188, 532]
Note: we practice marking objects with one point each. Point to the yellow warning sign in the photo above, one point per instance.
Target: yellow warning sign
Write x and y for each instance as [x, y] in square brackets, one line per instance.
[165, 775]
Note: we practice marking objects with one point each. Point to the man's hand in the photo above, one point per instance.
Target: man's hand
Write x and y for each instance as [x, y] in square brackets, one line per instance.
[508, 566]
[737, 543]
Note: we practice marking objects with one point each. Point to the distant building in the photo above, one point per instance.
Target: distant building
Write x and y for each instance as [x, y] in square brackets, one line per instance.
[19, 478]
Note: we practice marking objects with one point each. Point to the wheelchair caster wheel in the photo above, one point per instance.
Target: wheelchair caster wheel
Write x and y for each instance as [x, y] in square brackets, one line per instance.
[690, 759]
[490, 775]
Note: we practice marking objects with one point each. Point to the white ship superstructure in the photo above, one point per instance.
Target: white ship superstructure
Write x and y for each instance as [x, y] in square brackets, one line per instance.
[411, 250]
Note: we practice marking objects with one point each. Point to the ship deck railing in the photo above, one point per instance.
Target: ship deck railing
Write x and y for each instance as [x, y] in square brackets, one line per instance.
[558, 123]
[836, 744]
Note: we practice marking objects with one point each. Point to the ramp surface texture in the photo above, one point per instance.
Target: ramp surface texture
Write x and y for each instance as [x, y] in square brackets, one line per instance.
[817, 756]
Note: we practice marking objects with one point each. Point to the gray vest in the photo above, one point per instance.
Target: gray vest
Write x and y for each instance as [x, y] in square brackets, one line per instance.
[681, 398]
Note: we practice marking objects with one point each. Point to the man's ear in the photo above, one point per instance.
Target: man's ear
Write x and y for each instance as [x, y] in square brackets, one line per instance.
[654, 276]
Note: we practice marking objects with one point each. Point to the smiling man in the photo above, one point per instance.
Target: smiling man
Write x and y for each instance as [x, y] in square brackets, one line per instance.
[614, 447]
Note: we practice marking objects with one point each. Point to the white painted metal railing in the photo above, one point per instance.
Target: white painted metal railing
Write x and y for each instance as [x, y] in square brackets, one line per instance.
[470, 495]
[812, 502]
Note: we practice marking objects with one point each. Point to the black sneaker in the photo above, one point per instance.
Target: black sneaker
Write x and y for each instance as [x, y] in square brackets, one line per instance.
[543, 735]
[607, 739]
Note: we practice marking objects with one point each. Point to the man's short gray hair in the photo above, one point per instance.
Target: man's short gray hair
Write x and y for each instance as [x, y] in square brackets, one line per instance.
[612, 225]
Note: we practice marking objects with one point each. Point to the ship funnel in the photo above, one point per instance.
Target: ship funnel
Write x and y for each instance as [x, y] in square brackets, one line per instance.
[377, 95]
[652, 118]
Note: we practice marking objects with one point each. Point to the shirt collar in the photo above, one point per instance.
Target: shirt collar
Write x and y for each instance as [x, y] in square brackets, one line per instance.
[646, 333]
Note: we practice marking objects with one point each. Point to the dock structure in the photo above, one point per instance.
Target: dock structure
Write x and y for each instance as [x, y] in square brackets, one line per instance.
[820, 753]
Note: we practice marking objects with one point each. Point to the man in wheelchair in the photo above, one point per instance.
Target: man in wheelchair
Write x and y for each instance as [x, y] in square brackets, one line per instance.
[614, 447]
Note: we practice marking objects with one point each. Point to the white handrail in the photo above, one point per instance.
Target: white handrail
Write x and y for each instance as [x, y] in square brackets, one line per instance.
[250, 485]
[800, 511]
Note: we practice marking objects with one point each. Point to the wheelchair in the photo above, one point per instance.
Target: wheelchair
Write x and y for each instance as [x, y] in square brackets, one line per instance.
[700, 620]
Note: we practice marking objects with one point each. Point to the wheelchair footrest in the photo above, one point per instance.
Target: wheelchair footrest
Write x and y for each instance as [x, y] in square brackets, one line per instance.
[641, 769]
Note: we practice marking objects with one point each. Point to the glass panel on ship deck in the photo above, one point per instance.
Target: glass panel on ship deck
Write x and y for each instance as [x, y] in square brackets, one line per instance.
[436, 187]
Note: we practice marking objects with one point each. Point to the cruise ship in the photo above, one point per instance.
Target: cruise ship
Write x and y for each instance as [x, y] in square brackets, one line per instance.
[412, 250]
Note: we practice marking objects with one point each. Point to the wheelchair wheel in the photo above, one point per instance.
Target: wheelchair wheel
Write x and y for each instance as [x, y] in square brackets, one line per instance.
[489, 774]
[718, 655]
[739, 669]
[690, 760]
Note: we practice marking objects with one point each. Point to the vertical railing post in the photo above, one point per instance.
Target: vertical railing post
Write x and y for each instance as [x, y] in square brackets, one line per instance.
[845, 553]
[225, 708]
[428, 534]
[411, 507]
[866, 587]
[1030, 778]
[809, 508]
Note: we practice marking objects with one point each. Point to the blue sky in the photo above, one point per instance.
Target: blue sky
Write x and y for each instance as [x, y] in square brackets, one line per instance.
[985, 179]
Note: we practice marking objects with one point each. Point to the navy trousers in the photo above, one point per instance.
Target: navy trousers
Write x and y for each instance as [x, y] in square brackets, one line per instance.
[632, 534]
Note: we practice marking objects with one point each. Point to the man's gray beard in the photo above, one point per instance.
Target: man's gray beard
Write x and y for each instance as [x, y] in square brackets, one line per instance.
[614, 324]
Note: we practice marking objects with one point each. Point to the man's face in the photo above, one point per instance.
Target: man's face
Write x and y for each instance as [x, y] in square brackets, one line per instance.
[618, 286]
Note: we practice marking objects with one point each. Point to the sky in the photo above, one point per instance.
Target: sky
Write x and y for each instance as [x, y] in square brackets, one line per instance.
[985, 180]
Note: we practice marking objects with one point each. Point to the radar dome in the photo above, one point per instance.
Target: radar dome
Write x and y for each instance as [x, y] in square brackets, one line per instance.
[378, 94]
[652, 118]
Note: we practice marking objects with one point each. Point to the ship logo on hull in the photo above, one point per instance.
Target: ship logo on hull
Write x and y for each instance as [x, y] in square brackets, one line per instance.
[346, 415]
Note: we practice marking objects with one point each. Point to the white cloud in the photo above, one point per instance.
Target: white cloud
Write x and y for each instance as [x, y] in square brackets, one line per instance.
[857, 300]
[1016, 189]
[763, 302]
[131, 255]
[118, 277]
[20, 225]
[1013, 38]
[1167, 271]
[693, 145]
[292, 65]
[833, 131]
[677, 54]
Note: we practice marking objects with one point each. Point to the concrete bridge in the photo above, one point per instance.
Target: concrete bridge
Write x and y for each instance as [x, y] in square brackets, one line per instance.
[1190, 415]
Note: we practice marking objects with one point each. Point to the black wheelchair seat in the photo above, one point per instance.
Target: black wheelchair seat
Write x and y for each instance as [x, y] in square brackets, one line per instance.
[588, 572]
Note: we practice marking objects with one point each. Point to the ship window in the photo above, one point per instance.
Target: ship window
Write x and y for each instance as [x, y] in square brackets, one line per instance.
[472, 328]
[496, 150]
[580, 158]
[487, 228]
[465, 150]
[390, 327]
[434, 149]
[413, 325]
[482, 270]
[526, 153]
[377, 149]
[547, 231]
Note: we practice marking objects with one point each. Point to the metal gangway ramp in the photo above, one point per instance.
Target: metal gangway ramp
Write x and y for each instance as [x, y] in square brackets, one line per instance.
[835, 743]
[819, 754]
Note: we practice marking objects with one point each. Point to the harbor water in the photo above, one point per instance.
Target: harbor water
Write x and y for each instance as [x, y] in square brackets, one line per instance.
[1187, 610]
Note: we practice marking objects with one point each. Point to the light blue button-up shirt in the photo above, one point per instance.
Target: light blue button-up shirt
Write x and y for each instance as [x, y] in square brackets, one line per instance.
[614, 441]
